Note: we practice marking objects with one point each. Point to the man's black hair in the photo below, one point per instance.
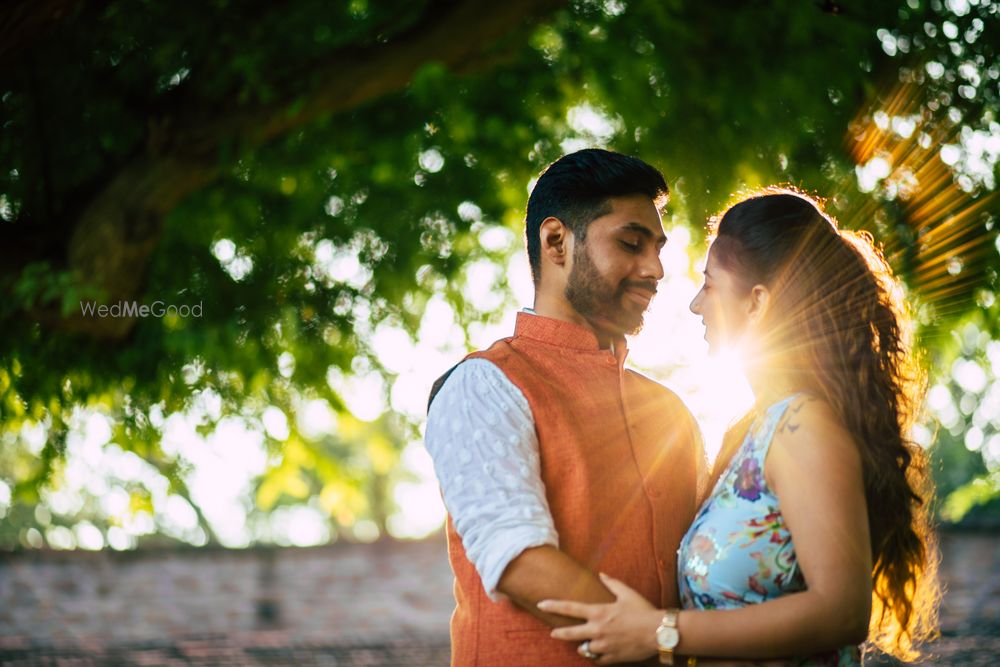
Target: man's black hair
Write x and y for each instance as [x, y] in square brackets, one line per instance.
[576, 188]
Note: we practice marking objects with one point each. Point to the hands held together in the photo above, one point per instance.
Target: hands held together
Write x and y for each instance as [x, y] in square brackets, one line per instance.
[624, 630]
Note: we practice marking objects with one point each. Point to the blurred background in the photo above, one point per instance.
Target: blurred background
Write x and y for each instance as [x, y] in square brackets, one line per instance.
[321, 205]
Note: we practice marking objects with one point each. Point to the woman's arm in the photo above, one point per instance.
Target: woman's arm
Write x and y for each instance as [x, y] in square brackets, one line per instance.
[815, 470]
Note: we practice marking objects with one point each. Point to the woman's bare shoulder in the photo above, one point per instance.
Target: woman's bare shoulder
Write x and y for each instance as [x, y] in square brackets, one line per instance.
[807, 413]
[809, 436]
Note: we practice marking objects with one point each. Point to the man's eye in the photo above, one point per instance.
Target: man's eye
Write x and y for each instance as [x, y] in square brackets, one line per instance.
[631, 247]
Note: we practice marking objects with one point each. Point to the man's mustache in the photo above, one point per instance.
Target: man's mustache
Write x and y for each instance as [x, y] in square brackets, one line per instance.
[644, 285]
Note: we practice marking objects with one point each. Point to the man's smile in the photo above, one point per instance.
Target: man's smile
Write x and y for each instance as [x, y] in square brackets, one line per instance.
[640, 295]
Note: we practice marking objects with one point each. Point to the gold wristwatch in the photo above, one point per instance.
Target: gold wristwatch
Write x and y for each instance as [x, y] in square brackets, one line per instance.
[667, 637]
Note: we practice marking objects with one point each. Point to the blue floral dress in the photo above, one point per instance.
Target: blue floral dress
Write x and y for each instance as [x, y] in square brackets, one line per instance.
[738, 551]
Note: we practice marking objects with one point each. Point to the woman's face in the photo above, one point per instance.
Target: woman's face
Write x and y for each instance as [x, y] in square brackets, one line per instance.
[723, 303]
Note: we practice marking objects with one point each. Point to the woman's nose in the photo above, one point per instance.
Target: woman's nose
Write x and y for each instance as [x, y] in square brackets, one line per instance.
[695, 305]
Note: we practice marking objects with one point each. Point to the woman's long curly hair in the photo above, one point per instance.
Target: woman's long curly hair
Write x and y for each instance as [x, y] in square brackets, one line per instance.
[839, 329]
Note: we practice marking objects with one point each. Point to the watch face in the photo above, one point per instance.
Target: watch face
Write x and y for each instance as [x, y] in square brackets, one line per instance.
[667, 637]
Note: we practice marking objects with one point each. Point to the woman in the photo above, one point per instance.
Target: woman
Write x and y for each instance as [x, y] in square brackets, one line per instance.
[815, 535]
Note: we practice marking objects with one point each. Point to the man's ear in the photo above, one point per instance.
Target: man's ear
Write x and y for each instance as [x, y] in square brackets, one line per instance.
[760, 301]
[556, 240]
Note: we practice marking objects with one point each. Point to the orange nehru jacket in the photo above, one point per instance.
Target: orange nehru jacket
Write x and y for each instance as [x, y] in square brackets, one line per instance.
[621, 459]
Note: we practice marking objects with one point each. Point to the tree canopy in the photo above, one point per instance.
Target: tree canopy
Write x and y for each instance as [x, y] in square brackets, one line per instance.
[304, 172]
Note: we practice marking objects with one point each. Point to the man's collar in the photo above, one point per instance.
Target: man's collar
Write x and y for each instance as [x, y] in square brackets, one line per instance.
[570, 335]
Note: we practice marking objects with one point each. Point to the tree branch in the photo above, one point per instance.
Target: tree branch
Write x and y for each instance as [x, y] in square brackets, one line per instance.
[117, 232]
[24, 21]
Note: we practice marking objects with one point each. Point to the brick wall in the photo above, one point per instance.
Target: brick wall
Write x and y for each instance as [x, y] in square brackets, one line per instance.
[386, 603]
[388, 593]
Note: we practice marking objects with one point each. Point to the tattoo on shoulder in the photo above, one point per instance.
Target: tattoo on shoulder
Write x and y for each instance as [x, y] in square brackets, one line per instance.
[789, 421]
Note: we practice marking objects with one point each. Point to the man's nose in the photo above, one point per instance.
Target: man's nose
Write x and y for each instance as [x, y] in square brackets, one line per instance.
[652, 267]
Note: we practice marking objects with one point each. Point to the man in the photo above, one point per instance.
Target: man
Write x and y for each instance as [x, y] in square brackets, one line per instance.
[555, 462]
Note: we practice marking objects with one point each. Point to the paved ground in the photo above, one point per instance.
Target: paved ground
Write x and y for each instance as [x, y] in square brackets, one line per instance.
[970, 613]
[224, 651]
[970, 630]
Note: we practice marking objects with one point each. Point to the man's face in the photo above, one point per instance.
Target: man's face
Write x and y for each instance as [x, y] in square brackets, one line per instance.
[616, 269]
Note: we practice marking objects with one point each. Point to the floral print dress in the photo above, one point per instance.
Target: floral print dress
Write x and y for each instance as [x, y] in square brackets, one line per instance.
[738, 551]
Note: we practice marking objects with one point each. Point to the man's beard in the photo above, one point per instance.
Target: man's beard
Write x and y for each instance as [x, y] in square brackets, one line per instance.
[599, 302]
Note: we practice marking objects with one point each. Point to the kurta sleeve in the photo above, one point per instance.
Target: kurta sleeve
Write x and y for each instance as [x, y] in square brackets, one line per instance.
[481, 436]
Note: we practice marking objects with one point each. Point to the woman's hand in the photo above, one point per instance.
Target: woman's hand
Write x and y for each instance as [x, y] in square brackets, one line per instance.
[729, 662]
[622, 631]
